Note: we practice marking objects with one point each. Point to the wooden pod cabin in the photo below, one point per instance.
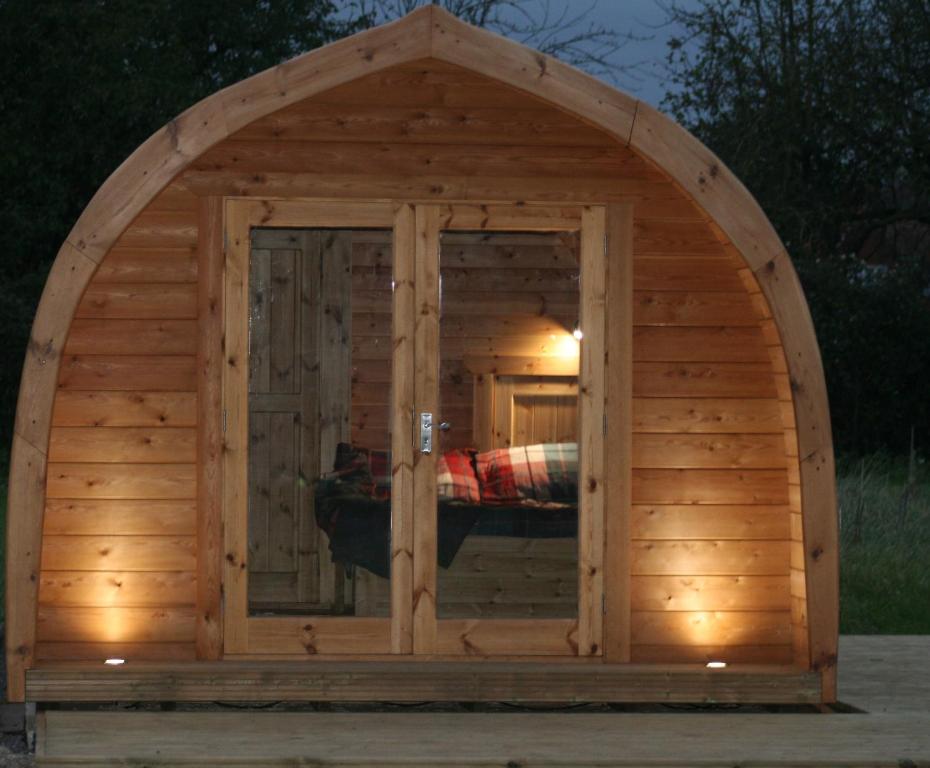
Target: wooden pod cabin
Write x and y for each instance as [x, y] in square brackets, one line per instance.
[421, 367]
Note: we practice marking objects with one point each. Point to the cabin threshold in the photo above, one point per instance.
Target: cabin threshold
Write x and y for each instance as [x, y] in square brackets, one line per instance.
[408, 681]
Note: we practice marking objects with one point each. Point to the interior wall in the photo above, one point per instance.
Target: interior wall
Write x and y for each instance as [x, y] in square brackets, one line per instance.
[716, 549]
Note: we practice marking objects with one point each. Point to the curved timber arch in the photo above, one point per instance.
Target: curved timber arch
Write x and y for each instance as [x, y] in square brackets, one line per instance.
[435, 34]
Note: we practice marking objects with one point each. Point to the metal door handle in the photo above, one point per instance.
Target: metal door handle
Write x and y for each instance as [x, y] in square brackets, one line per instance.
[444, 426]
[426, 432]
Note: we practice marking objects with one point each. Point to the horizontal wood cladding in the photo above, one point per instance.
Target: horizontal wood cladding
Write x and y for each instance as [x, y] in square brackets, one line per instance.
[81, 408]
[119, 547]
[715, 476]
[432, 680]
[120, 517]
[117, 588]
[91, 624]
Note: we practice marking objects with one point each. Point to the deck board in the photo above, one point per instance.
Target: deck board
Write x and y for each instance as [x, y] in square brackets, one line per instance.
[887, 676]
[383, 739]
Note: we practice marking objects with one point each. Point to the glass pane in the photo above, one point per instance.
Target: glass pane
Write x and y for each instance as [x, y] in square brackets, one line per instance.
[507, 476]
[319, 516]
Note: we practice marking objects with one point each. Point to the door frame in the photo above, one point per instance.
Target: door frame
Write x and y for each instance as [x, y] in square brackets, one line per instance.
[413, 627]
[581, 636]
[292, 635]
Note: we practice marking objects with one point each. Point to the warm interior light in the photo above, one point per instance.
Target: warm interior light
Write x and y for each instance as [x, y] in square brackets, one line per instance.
[716, 665]
[577, 334]
[115, 662]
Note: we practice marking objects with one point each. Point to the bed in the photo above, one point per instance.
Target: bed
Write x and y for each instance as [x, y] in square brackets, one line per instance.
[506, 529]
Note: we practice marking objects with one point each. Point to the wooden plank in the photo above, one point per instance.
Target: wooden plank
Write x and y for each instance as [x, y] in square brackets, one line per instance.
[403, 410]
[490, 217]
[709, 593]
[283, 313]
[139, 301]
[685, 273]
[467, 680]
[132, 337]
[709, 558]
[709, 486]
[652, 237]
[123, 444]
[653, 197]
[76, 408]
[116, 624]
[591, 414]
[495, 637]
[319, 213]
[161, 229]
[692, 308]
[120, 517]
[521, 366]
[209, 631]
[818, 477]
[701, 654]
[716, 380]
[311, 549]
[426, 392]
[236, 437]
[618, 442]
[709, 451]
[706, 521]
[407, 159]
[118, 553]
[121, 481]
[148, 265]
[24, 545]
[706, 415]
[319, 635]
[130, 652]
[173, 373]
[319, 122]
[724, 344]
[117, 588]
[722, 628]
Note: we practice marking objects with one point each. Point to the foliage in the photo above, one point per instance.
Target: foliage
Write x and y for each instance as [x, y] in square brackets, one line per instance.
[564, 31]
[884, 538]
[822, 108]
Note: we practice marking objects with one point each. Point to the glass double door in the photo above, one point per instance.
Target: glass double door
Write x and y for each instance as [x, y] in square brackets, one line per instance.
[423, 414]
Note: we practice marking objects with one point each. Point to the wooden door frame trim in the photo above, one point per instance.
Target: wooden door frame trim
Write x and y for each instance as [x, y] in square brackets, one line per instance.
[426, 33]
[566, 637]
[244, 634]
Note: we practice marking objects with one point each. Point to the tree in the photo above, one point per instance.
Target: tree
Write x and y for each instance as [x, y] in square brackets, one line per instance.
[564, 31]
[822, 107]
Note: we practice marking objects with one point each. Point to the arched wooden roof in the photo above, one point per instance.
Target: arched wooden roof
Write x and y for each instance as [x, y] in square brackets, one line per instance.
[427, 33]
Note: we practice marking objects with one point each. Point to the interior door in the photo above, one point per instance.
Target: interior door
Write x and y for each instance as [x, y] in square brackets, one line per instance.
[510, 302]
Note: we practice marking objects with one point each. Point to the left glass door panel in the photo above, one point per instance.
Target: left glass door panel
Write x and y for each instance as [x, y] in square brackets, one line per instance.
[319, 431]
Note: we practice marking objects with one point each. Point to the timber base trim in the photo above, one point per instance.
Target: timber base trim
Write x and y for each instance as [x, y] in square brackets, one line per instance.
[478, 681]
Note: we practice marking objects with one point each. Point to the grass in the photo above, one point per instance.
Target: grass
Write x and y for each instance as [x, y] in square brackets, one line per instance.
[884, 546]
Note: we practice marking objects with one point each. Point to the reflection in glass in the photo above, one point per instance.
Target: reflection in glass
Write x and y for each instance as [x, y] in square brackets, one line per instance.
[319, 431]
[507, 477]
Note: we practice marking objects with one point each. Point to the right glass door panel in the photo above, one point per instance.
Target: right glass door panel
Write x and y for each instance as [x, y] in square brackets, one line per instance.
[508, 430]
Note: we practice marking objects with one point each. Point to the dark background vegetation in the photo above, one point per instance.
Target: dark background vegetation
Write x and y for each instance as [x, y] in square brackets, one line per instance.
[821, 107]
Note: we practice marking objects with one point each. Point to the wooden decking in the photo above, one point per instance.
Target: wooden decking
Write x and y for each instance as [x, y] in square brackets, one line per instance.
[441, 681]
[886, 676]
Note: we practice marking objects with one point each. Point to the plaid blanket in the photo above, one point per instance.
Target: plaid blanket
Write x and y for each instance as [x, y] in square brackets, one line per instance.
[547, 472]
[456, 479]
[368, 472]
[535, 474]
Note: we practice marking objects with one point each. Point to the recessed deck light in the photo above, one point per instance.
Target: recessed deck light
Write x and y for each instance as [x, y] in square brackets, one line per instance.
[716, 665]
[114, 662]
